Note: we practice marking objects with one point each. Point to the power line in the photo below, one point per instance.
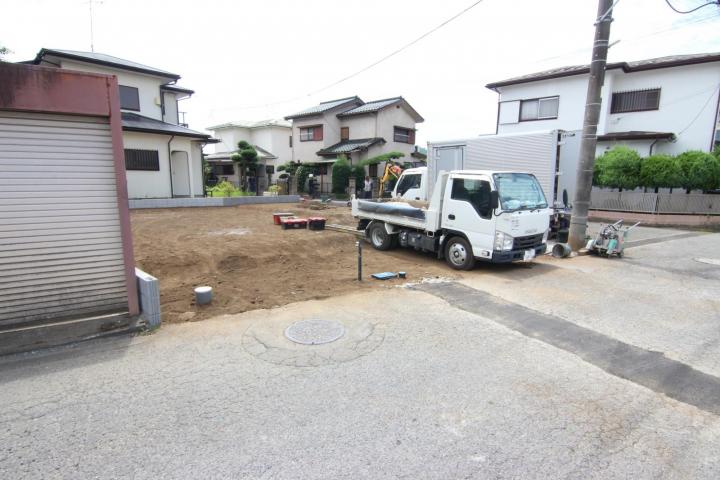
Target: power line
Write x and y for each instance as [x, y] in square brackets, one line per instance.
[694, 9]
[364, 69]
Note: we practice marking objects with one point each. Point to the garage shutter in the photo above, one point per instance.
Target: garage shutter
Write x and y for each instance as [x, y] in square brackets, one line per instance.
[60, 246]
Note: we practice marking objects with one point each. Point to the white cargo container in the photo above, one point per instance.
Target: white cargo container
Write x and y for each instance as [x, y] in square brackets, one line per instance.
[549, 155]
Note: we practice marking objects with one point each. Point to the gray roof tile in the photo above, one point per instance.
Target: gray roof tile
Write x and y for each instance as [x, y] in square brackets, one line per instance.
[639, 65]
[347, 146]
[324, 107]
[137, 123]
[103, 59]
[369, 107]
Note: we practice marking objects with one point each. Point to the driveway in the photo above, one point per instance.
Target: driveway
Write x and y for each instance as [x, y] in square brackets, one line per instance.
[514, 372]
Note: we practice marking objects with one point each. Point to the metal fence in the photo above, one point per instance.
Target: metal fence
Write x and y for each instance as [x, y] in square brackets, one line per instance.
[689, 204]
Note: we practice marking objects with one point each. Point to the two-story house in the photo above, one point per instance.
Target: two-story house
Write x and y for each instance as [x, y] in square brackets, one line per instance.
[163, 158]
[661, 105]
[271, 139]
[351, 127]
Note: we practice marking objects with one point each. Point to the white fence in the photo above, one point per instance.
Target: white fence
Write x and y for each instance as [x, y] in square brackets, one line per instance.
[689, 204]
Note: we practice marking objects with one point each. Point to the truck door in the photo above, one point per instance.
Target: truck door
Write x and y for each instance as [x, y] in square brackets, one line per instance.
[447, 159]
[467, 209]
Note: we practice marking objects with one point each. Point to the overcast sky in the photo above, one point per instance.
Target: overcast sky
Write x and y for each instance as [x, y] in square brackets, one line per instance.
[243, 57]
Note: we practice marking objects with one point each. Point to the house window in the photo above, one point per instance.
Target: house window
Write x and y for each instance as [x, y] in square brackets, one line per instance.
[539, 109]
[309, 134]
[372, 170]
[345, 133]
[147, 160]
[635, 101]
[129, 98]
[223, 169]
[404, 135]
[290, 141]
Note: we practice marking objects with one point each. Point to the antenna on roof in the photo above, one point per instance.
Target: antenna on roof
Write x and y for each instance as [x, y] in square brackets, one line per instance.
[92, 34]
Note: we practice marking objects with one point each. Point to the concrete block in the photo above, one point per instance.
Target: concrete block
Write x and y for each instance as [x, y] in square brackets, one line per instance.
[149, 296]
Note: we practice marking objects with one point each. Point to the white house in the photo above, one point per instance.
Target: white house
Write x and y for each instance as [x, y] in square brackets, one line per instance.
[271, 139]
[352, 127]
[163, 158]
[661, 105]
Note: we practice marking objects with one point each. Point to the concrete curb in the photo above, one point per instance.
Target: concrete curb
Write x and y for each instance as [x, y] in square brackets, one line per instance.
[209, 201]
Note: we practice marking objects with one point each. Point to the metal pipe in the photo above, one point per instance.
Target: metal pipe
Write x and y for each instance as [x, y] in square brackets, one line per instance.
[172, 193]
[359, 245]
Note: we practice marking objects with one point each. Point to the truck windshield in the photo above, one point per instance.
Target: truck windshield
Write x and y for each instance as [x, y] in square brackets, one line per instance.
[519, 191]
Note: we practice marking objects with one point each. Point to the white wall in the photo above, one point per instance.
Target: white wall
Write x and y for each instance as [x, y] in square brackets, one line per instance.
[148, 184]
[688, 102]
[388, 119]
[148, 86]
[361, 126]
[171, 108]
[142, 184]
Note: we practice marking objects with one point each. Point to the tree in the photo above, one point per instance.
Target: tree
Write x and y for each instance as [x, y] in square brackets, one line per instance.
[341, 172]
[699, 170]
[302, 173]
[385, 157]
[619, 168]
[660, 171]
[4, 51]
[246, 159]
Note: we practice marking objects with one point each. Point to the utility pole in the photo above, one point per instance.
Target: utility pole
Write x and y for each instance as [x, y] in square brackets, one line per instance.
[586, 162]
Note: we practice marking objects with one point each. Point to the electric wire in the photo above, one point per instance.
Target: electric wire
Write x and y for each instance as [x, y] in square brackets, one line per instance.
[694, 9]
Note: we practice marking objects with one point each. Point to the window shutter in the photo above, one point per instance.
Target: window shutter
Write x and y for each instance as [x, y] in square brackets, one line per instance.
[318, 133]
[411, 137]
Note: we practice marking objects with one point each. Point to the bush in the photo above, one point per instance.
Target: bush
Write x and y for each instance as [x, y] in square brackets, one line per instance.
[618, 168]
[699, 170]
[340, 175]
[660, 171]
[227, 189]
[382, 158]
[302, 173]
[358, 171]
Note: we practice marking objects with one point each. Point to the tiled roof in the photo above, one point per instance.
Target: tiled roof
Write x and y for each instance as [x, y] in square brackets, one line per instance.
[639, 65]
[133, 122]
[103, 59]
[225, 156]
[251, 124]
[348, 146]
[373, 106]
[324, 107]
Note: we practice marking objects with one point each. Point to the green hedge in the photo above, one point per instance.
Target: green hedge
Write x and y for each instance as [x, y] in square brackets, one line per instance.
[622, 167]
[341, 172]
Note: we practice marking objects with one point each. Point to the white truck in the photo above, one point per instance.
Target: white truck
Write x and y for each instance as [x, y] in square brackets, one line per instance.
[495, 216]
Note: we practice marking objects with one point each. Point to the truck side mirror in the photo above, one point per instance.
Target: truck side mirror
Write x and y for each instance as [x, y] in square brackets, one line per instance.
[494, 200]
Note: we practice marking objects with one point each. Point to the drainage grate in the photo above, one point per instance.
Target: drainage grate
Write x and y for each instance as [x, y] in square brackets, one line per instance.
[314, 332]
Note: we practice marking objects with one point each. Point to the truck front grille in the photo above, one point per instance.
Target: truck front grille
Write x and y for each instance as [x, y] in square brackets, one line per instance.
[530, 241]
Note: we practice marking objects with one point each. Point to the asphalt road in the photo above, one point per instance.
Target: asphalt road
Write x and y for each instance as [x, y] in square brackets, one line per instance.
[416, 388]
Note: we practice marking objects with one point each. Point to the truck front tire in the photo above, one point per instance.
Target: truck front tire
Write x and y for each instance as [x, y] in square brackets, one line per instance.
[459, 254]
[379, 238]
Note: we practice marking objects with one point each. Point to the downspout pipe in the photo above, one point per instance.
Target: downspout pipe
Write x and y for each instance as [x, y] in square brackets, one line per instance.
[172, 193]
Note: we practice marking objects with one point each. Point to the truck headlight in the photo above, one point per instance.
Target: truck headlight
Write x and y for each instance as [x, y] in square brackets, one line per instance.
[503, 242]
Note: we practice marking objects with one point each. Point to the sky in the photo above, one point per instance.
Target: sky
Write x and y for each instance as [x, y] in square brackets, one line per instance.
[253, 60]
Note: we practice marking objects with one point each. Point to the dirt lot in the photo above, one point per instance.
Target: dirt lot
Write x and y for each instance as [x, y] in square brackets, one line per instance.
[252, 263]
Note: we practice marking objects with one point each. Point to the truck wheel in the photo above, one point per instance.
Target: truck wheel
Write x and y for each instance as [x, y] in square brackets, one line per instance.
[458, 254]
[379, 238]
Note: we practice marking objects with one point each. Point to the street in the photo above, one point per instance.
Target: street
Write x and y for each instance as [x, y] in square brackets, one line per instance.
[511, 372]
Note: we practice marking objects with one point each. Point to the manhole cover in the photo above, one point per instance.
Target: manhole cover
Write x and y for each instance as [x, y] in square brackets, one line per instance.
[314, 332]
[709, 261]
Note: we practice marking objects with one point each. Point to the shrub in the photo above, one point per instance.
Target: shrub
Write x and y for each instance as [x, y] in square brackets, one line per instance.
[699, 170]
[340, 175]
[382, 158]
[619, 168]
[660, 171]
[227, 189]
[358, 171]
[302, 173]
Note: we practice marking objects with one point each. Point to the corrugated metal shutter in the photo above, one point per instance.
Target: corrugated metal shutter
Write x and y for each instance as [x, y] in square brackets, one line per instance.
[60, 245]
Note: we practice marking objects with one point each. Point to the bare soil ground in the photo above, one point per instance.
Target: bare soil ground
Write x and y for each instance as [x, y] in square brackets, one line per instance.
[252, 263]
